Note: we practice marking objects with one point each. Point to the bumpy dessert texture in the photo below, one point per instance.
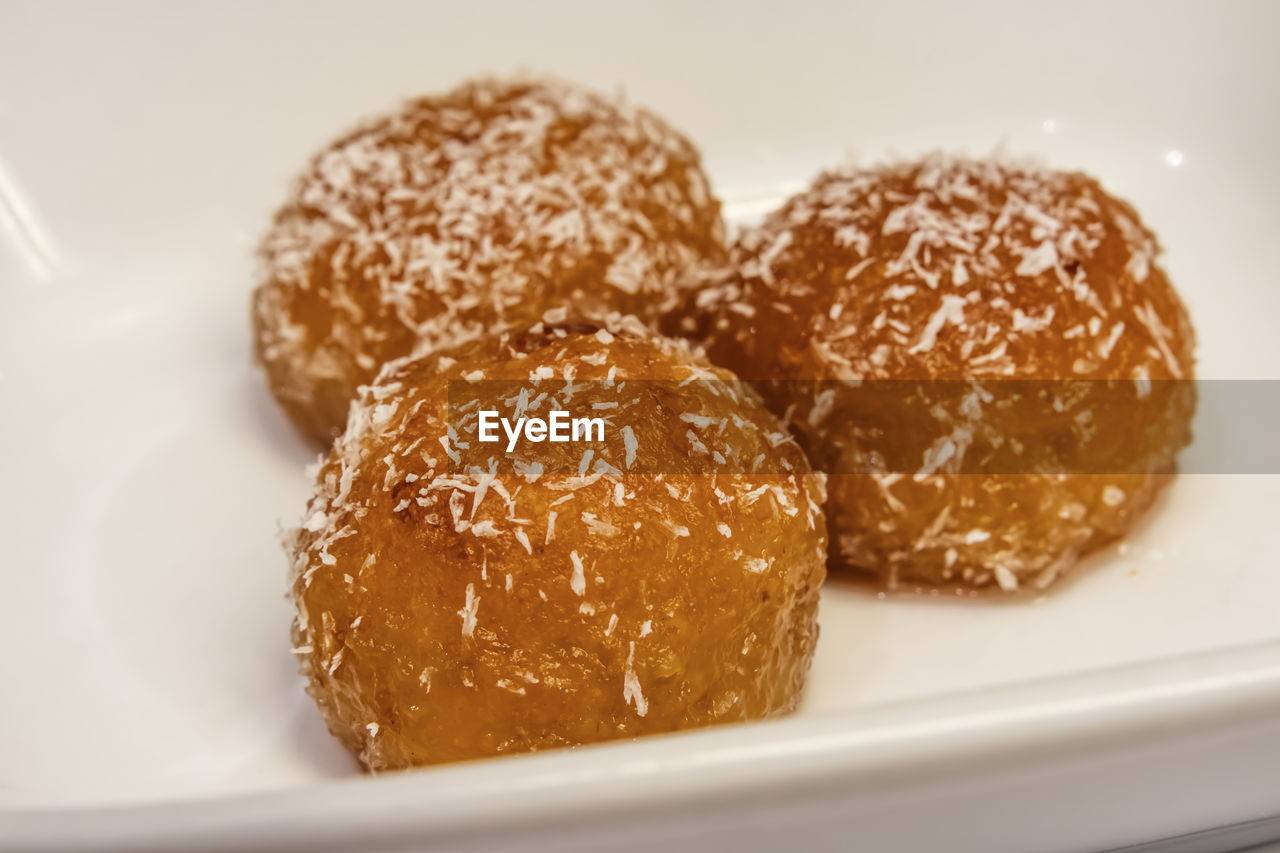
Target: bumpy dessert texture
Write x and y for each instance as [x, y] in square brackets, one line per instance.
[974, 271]
[447, 611]
[461, 214]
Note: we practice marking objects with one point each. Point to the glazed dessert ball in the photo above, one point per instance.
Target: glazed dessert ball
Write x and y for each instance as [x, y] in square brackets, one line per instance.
[962, 318]
[455, 600]
[464, 213]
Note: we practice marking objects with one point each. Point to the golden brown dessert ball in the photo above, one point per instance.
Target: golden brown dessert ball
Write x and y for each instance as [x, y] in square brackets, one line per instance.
[961, 275]
[464, 213]
[555, 596]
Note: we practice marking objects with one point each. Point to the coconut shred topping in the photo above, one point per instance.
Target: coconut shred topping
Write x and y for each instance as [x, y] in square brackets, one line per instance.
[956, 269]
[949, 268]
[458, 213]
[398, 460]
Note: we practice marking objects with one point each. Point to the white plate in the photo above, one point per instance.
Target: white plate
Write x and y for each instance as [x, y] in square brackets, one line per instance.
[148, 693]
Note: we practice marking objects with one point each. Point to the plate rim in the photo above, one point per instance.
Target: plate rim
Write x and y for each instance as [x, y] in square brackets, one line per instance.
[1042, 721]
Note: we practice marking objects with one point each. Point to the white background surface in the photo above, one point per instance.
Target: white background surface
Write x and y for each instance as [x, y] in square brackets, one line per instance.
[145, 469]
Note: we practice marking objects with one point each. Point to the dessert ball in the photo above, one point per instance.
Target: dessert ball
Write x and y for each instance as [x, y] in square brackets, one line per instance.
[457, 598]
[984, 355]
[462, 214]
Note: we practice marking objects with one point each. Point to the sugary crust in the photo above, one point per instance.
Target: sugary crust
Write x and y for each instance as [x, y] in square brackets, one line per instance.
[967, 270]
[952, 269]
[446, 614]
[464, 213]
